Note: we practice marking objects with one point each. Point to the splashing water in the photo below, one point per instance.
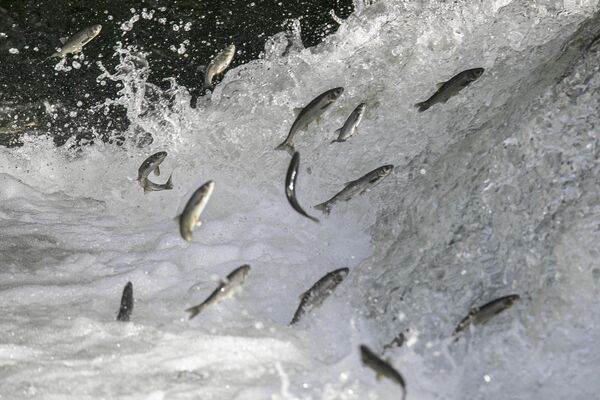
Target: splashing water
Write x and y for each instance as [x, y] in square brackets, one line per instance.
[494, 192]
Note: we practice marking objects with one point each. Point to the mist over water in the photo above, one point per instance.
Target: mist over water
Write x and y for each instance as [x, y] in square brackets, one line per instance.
[493, 193]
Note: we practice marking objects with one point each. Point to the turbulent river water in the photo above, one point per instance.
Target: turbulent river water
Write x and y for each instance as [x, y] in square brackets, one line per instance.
[493, 193]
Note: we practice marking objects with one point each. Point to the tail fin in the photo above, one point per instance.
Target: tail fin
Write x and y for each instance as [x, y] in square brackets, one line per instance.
[126, 303]
[337, 141]
[422, 106]
[195, 310]
[325, 208]
[285, 146]
[169, 184]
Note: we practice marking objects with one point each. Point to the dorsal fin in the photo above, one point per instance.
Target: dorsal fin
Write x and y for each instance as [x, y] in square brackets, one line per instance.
[63, 40]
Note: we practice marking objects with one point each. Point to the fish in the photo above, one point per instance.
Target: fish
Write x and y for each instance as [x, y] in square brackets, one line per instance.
[290, 186]
[150, 186]
[306, 115]
[226, 289]
[75, 43]
[126, 303]
[450, 88]
[482, 314]
[150, 164]
[190, 217]
[356, 187]
[318, 292]
[350, 126]
[218, 65]
[381, 367]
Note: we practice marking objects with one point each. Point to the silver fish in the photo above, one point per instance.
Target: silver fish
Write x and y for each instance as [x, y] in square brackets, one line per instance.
[450, 88]
[150, 164]
[318, 292]
[290, 186]
[480, 315]
[226, 289]
[357, 187]
[218, 64]
[190, 217]
[381, 367]
[75, 43]
[311, 112]
[350, 126]
[126, 303]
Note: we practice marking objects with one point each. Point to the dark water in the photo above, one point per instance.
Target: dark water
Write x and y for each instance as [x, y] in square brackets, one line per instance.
[34, 27]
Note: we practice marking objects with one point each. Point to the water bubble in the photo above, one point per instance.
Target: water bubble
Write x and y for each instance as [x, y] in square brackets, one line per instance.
[13, 51]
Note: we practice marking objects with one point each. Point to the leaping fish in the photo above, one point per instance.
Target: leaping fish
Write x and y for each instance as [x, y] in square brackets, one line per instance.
[290, 186]
[451, 88]
[350, 126]
[218, 65]
[480, 315]
[190, 217]
[381, 368]
[318, 292]
[150, 164]
[75, 43]
[356, 187]
[226, 289]
[311, 112]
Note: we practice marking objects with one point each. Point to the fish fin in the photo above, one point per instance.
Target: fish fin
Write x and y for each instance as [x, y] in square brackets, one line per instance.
[378, 376]
[439, 85]
[337, 131]
[198, 223]
[287, 147]
[157, 171]
[324, 208]
[297, 111]
[126, 303]
[177, 218]
[337, 141]
[318, 120]
[422, 106]
[195, 310]
[146, 187]
[63, 40]
[169, 184]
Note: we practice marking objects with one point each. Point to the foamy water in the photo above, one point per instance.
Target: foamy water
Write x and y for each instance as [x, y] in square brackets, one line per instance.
[495, 192]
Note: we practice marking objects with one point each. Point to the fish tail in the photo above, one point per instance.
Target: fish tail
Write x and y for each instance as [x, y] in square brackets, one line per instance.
[126, 303]
[296, 317]
[195, 310]
[169, 184]
[325, 208]
[285, 146]
[422, 106]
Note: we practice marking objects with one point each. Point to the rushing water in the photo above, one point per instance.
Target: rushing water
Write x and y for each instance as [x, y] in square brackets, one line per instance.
[494, 192]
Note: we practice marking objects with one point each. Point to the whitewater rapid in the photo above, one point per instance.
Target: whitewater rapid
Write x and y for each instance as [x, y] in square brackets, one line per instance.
[493, 193]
